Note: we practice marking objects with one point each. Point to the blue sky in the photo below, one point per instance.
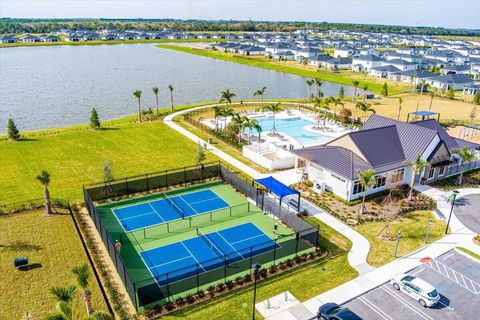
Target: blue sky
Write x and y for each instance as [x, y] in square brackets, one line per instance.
[439, 13]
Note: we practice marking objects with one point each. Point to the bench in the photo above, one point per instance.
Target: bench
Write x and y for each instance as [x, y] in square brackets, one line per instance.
[21, 261]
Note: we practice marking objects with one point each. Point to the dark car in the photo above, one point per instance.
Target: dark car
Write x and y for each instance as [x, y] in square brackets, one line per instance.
[332, 311]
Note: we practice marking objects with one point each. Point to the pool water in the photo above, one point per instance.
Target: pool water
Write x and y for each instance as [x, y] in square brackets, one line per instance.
[294, 127]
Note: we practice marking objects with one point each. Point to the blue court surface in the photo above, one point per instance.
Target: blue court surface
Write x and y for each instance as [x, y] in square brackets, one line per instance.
[145, 214]
[179, 260]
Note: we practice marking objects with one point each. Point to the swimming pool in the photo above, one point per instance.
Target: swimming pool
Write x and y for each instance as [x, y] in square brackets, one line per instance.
[293, 127]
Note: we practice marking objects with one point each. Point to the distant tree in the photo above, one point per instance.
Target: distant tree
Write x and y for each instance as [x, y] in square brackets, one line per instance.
[345, 115]
[12, 131]
[217, 112]
[260, 92]
[384, 90]
[226, 96]
[239, 122]
[274, 108]
[64, 297]
[155, 92]
[138, 95]
[365, 88]
[44, 179]
[365, 107]
[82, 275]
[354, 95]
[170, 88]
[200, 155]
[310, 83]
[94, 121]
[451, 93]
[400, 101]
[473, 114]
[367, 180]
[423, 86]
[107, 171]
[432, 96]
[466, 155]
[252, 124]
[318, 85]
[476, 97]
[341, 94]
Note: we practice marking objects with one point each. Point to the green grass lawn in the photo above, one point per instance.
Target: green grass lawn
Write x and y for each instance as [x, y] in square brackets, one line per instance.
[51, 242]
[75, 158]
[256, 62]
[304, 282]
[470, 253]
[413, 228]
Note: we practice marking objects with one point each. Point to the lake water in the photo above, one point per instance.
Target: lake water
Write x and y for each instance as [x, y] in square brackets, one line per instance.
[46, 87]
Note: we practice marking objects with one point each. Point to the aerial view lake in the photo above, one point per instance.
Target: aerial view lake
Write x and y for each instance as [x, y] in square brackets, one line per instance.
[46, 87]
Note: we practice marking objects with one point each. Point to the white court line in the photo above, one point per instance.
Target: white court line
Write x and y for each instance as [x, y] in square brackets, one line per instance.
[376, 309]
[230, 245]
[195, 211]
[243, 240]
[204, 200]
[140, 215]
[407, 304]
[172, 261]
[193, 256]
[158, 214]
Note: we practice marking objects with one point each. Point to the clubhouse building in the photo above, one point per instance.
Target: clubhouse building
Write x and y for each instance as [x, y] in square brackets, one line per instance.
[386, 146]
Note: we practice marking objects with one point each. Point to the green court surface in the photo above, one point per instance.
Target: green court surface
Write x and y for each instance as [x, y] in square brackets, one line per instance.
[237, 212]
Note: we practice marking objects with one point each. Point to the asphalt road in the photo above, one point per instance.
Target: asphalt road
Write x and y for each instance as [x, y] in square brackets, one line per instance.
[467, 210]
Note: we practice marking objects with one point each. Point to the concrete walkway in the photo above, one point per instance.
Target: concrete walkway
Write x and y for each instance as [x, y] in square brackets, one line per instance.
[460, 236]
[357, 257]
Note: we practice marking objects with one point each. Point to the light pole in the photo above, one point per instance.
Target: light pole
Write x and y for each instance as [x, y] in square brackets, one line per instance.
[452, 199]
[255, 268]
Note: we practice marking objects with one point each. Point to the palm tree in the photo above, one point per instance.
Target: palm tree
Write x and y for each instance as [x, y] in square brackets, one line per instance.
[337, 101]
[366, 180]
[424, 83]
[82, 273]
[365, 107]
[155, 92]
[64, 297]
[400, 100]
[355, 86]
[226, 96]
[417, 168]
[274, 108]
[170, 88]
[432, 95]
[318, 84]
[225, 111]
[365, 88]
[44, 179]
[321, 104]
[310, 84]
[466, 156]
[260, 93]
[252, 124]
[138, 94]
[241, 122]
[217, 112]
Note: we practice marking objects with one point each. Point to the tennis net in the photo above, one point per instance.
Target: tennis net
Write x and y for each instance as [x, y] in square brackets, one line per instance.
[173, 205]
[210, 244]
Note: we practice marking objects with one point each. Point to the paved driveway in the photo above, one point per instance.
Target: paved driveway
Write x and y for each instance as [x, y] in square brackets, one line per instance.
[467, 210]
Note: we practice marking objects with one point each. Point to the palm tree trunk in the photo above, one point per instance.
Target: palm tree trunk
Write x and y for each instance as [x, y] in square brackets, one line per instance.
[139, 112]
[363, 208]
[87, 296]
[410, 193]
[171, 101]
[48, 205]
[156, 100]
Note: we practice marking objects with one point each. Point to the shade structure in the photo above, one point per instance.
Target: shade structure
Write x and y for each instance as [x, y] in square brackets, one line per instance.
[278, 188]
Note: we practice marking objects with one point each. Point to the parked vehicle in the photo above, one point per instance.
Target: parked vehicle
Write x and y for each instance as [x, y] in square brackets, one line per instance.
[332, 311]
[418, 289]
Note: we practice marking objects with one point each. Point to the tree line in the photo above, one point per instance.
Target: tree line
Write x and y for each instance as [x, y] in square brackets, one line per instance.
[14, 25]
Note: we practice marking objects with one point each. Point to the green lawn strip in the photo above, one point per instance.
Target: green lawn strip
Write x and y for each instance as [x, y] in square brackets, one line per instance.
[51, 242]
[76, 158]
[470, 253]
[413, 228]
[304, 283]
[329, 239]
[103, 42]
[376, 87]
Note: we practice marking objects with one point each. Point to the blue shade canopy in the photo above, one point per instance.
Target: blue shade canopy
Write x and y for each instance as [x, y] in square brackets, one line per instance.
[278, 188]
[424, 113]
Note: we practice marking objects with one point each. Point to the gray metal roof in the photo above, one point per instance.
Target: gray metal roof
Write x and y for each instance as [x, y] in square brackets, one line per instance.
[413, 138]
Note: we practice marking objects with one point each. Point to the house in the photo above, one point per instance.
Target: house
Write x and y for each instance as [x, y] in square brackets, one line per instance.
[457, 81]
[29, 38]
[339, 64]
[367, 51]
[386, 146]
[344, 52]
[416, 75]
[319, 61]
[275, 49]
[386, 71]
[455, 69]
[284, 55]
[445, 56]
[110, 37]
[73, 37]
[247, 50]
[365, 63]
[91, 36]
[49, 38]
[471, 90]
[402, 65]
[8, 39]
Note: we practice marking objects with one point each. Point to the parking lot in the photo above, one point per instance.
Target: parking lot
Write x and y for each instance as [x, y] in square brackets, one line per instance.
[456, 278]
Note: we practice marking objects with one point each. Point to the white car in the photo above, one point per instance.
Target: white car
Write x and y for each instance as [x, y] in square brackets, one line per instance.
[418, 289]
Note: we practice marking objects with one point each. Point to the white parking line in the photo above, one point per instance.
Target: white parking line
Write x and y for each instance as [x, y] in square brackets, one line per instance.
[445, 305]
[407, 304]
[448, 256]
[375, 308]
[464, 279]
[417, 272]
